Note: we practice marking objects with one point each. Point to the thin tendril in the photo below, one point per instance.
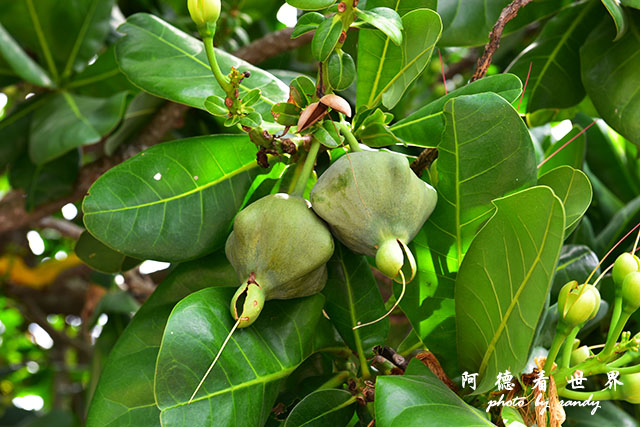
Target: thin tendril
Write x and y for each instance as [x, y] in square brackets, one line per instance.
[609, 253]
[635, 244]
[404, 287]
[224, 344]
[602, 275]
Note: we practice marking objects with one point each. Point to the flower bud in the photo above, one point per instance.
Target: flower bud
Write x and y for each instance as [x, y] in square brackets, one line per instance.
[631, 292]
[625, 264]
[578, 303]
[204, 12]
[579, 355]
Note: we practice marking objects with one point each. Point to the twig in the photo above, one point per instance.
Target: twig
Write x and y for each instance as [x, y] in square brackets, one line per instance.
[424, 160]
[507, 14]
[64, 227]
[391, 355]
[12, 207]
[431, 362]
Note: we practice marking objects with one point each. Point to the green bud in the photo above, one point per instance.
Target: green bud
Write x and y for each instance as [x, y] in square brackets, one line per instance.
[625, 264]
[247, 303]
[630, 388]
[579, 355]
[204, 12]
[390, 258]
[578, 303]
[631, 292]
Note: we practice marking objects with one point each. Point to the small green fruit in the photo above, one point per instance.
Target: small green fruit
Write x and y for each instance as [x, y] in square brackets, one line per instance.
[579, 355]
[625, 264]
[578, 303]
[279, 249]
[631, 292]
[630, 388]
[375, 205]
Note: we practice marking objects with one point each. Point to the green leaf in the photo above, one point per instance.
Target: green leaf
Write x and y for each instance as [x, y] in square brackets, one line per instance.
[323, 408]
[574, 191]
[14, 131]
[503, 283]
[576, 262]
[252, 120]
[244, 384]
[486, 152]
[326, 38]
[341, 70]
[606, 161]
[124, 396]
[424, 127]
[311, 4]
[384, 67]
[179, 70]
[554, 58]
[622, 221]
[386, 20]
[286, 114]
[174, 201]
[610, 75]
[303, 91]
[100, 257]
[46, 182]
[327, 134]
[631, 3]
[469, 22]
[374, 130]
[619, 18]
[418, 395]
[216, 106]
[352, 298]
[20, 62]
[140, 111]
[571, 155]
[68, 121]
[101, 79]
[251, 97]
[307, 23]
[37, 24]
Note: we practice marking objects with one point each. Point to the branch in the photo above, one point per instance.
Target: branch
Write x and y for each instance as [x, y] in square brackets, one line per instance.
[507, 14]
[12, 207]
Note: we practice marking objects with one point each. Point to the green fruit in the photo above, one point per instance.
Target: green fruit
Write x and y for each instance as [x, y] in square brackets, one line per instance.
[625, 264]
[578, 303]
[631, 292]
[630, 388]
[579, 355]
[375, 205]
[279, 249]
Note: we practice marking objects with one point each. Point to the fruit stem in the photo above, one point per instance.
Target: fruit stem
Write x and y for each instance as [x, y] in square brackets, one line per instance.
[613, 338]
[346, 132]
[615, 315]
[558, 339]
[335, 381]
[565, 358]
[309, 163]
[215, 68]
[587, 395]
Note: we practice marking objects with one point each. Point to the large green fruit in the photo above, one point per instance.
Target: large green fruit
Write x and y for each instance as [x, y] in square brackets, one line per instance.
[279, 249]
[375, 205]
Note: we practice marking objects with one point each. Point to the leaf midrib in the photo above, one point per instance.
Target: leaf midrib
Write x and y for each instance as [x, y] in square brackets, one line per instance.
[245, 168]
[42, 40]
[516, 298]
[79, 39]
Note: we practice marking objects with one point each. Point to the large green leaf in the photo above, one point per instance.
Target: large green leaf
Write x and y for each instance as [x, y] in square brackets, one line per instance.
[139, 112]
[468, 22]
[14, 131]
[20, 62]
[352, 297]
[37, 25]
[386, 20]
[124, 396]
[168, 63]
[617, 13]
[311, 4]
[503, 283]
[574, 191]
[244, 384]
[384, 68]
[571, 155]
[417, 396]
[174, 201]
[555, 63]
[486, 152]
[101, 79]
[46, 182]
[610, 75]
[68, 121]
[618, 226]
[100, 257]
[323, 408]
[424, 127]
